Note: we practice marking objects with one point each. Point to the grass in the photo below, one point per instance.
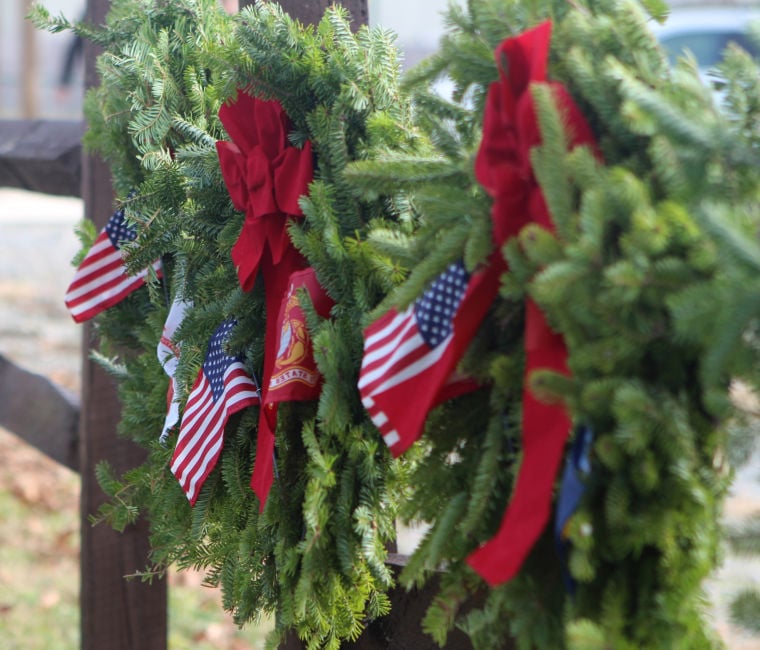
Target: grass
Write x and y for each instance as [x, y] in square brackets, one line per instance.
[39, 567]
[39, 500]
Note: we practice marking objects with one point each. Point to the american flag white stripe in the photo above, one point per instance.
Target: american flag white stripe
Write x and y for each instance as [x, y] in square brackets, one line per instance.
[201, 432]
[104, 295]
[192, 431]
[202, 419]
[202, 413]
[392, 438]
[101, 255]
[381, 346]
[93, 282]
[399, 322]
[380, 419]
[408, 361]
[395, 354]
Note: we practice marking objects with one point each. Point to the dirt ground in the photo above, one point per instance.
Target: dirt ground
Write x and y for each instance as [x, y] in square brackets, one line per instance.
[40, 497]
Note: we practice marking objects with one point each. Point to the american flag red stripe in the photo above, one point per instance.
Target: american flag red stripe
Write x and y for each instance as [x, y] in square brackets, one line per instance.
[206, 413]
[102, 279]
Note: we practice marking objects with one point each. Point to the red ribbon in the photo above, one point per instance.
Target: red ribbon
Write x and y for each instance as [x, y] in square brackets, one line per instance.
[503, 167]
[265, 176]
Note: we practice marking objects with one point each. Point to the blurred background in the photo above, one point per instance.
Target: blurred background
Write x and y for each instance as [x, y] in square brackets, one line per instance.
[41, 78]
[41, 73]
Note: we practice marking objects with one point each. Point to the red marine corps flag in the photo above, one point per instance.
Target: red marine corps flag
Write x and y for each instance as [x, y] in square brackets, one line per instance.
[293, 375]
[102, 279]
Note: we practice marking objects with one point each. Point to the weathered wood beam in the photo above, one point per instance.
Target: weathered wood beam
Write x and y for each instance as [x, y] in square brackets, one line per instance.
[41, 156]
[116, 613]
[311, 11]
[39, 413]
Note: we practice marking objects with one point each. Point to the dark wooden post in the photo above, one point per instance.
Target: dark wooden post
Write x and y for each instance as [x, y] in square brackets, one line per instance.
[116, 613]
[311, 11]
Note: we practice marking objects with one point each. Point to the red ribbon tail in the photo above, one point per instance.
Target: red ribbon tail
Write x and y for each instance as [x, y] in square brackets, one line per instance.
[263, 468]
[499, 559]
[545, 431]
[276, 280]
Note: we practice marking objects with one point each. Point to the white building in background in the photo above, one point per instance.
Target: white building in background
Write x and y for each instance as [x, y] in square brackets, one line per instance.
[419, 25]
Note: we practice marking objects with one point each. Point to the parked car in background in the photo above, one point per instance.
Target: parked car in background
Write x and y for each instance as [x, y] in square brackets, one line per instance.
[707, 31]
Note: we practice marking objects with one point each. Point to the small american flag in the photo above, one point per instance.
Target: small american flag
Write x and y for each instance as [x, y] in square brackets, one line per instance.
[222, 388]
[422, 343]
[102, 279]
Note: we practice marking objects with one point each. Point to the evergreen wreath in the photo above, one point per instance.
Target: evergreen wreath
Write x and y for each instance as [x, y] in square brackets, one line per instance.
[316, 554]
[646, 270]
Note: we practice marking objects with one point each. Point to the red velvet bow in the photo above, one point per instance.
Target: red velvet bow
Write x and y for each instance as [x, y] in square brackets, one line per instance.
[503, 166]
[265, 176]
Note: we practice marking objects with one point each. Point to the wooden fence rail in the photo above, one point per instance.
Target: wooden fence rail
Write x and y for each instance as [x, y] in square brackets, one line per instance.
[42, 156]
[52, 425]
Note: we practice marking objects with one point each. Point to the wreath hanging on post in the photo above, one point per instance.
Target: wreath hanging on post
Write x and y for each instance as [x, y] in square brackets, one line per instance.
[344, 272]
